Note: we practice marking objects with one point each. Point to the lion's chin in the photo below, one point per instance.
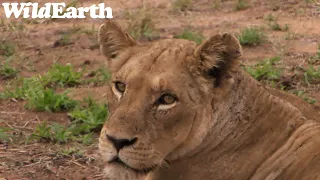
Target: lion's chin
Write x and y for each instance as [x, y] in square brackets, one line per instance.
[118, 161]
[115, 171]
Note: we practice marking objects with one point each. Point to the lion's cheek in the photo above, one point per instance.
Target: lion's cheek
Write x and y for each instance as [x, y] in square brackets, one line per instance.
[172, 137]
[179, 135]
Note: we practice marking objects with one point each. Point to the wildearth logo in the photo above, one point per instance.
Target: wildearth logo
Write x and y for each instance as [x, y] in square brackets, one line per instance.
[55, 10]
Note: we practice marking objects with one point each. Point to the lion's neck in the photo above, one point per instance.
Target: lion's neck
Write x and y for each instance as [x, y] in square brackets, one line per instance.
[250, 114]
[250, 122]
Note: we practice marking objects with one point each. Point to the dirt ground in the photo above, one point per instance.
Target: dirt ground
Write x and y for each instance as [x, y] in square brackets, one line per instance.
[37, 50]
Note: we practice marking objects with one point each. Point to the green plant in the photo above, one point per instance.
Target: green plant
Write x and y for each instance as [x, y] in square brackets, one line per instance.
[216, 4]
[277, 27]
[251, 36]
[304, 96]
[71, 152]
[86, 120]
[98, 76]
[4, 136]
[39, 97]
[309, 1]
[141, 26]
[242, 4]
[73, 3]
[51, 133]
[42, 132]
[57, 133]
[190, 35]
[182, 5]
[60, 133]
[86, 139]
[7, 48]
[145, 30]
[64, 40]
[312, 74]
[62, 75]
[270, 17]
[292, 36]
[316, 58]
[265, 70]
[89, 118]
[7, 72]
[15, 26]
[286, 27]
[22, 87]
[48, 100]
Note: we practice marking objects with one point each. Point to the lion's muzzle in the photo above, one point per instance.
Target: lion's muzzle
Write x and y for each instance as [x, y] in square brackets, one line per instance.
[129, 153]
[120, 143]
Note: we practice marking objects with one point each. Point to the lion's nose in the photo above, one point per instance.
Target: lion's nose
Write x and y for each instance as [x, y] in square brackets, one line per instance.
[120, 143]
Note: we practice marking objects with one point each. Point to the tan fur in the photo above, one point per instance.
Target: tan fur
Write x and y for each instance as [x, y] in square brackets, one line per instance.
[225, 125]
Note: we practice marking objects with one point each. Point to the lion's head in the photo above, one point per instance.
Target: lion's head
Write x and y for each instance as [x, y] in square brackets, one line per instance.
[161, 96]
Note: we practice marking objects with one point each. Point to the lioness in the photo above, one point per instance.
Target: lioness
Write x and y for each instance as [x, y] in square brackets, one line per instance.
[179, 111]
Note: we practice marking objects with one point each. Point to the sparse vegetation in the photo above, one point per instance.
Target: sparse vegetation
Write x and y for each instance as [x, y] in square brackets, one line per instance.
[21, 88]
[4, 135]
[315, 59]
[265, 70]
[48, 100]
[64, 40]
[182, 5]
[39, 97]
[242, 4]
[90, 117]
[312, 74]
[274, 25]
[7, 48]
[146, 30]
[97, 76]
[11, 26]
[190, 35]
[304, 96]
[292, 36]
[216, 4]
[270, 17]
[41, 132]
[251, 36]
[71, 152]
[50, 133]
[85, 120]
[7, 71]
[62, 76]
[141, 26]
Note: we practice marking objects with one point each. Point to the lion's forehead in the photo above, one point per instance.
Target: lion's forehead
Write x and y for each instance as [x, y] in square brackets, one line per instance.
[161, 59]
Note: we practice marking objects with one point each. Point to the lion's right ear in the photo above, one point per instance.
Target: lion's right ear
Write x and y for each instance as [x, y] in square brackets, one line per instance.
[113, 39]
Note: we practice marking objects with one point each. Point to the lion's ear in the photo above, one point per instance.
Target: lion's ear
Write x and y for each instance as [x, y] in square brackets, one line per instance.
[113, 39]
[218, 56]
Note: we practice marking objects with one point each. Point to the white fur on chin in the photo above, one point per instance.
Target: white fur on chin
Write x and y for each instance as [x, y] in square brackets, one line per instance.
[118, 172]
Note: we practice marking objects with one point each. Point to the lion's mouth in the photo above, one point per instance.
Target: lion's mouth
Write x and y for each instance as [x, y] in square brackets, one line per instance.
[140, 171]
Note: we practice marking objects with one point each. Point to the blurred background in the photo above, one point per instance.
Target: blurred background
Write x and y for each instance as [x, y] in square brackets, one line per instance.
[52, 75]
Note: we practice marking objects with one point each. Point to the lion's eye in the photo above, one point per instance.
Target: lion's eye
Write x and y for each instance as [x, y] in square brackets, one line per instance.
[121, 87]
[167, 99]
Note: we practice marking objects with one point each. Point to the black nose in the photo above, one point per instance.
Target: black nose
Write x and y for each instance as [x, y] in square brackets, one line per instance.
[120, 143]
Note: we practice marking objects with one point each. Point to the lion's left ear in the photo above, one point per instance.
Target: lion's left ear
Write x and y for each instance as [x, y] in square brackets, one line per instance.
[218, 56]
